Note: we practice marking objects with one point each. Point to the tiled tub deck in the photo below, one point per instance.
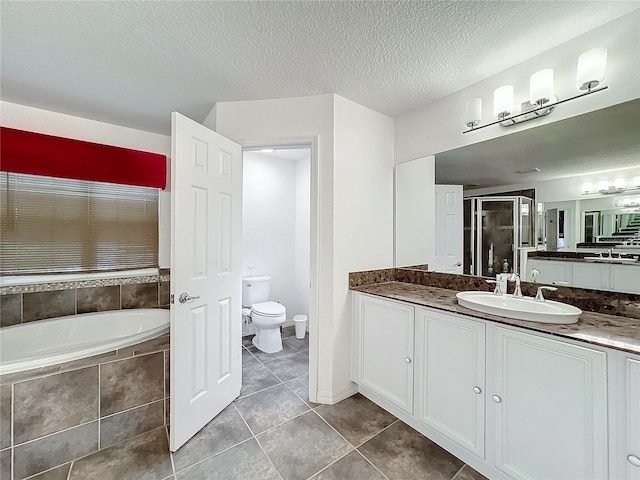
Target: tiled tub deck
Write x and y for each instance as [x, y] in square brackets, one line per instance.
[53, 415]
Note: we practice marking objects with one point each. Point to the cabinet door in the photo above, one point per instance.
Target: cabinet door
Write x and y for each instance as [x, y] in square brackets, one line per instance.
[550, 409]
[450, 373]
[550, 271]
[385, 350]
[591, 275]
[628, 454]
[625, 278]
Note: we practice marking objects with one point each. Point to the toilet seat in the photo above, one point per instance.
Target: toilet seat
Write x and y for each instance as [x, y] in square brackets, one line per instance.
[268, 309]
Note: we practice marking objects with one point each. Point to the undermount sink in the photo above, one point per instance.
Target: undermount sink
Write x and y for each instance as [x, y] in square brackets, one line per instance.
[521, 308]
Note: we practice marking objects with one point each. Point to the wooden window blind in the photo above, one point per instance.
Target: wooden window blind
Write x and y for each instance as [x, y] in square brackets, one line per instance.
[55, 225]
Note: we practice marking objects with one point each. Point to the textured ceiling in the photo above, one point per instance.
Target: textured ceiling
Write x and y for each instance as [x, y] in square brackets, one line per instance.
[132, 63]
[604, 140]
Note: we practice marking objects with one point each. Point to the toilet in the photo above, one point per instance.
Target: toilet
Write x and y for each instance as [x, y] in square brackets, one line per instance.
[266, 316]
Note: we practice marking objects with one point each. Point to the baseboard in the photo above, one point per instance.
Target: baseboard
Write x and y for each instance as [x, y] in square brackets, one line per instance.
[331, 398]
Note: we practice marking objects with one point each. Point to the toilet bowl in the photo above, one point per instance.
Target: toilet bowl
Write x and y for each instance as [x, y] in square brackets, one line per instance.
[267, 317]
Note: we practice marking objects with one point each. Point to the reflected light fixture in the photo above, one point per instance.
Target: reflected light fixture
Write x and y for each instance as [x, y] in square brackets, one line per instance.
[589, 77]
[619, 185]
[266, 150]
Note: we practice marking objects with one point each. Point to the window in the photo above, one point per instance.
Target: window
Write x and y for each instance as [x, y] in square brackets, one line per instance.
[54, 225]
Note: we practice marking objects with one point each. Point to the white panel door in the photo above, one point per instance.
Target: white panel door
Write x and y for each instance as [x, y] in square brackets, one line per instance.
[549, 401]
[450, 377]
[629, 451]
[449, 229]
[385, 335]
[206, 219]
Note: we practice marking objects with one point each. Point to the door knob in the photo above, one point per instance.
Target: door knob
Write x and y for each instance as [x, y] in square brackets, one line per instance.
[477, 389]
[496, 398]
[633, 460]
[458, 264]
[408, 360]
[185, 297]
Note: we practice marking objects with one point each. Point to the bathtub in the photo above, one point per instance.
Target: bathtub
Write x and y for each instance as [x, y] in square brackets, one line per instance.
[63, 339]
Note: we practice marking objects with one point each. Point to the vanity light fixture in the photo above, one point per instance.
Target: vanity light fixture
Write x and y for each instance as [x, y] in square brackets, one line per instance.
[604, 187]
[266, 150]
[590, 75]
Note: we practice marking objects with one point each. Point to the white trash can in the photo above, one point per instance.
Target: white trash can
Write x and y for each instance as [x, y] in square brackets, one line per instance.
[300, 321]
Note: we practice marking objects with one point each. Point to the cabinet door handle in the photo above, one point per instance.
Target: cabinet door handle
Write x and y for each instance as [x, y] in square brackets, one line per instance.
[633, 460]
[408, 360]
[496, 398]
[477, 389]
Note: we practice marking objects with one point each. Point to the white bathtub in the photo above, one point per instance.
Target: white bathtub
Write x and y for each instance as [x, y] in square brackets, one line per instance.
[63, 339]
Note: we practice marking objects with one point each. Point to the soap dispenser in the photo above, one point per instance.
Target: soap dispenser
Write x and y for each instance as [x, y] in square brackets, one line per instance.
[505, 266]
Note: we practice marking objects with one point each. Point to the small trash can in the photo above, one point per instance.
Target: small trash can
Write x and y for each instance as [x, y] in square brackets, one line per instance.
[300, 321]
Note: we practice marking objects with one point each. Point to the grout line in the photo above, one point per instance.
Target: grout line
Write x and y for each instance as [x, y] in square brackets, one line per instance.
[49, 470]
[372, 436]
[458, 472]
[99, 404]
[371, 463]
[173, 465]
[70, 468]
[327, 466]
[214, 455]
[133, 408]
[55, 433]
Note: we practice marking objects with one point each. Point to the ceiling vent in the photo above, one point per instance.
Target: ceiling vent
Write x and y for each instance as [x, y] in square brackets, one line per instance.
[528, 170]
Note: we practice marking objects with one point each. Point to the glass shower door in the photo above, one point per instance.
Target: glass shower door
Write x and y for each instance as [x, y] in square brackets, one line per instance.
[496, 236]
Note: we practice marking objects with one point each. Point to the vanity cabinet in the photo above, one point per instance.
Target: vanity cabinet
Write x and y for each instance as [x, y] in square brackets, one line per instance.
[509, 402]
[591, 275]
[551, 272]
[383, 349]
[450, 377]
[625, 278]
[625, 428]
[548, 401]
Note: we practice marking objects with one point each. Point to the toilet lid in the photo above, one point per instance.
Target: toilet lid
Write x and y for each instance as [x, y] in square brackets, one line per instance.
[268, 308]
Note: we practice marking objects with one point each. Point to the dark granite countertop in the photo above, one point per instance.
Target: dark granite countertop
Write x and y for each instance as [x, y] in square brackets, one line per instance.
[610, 331]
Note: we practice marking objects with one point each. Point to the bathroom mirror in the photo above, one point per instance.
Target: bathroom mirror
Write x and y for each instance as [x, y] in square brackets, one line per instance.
[554, 161]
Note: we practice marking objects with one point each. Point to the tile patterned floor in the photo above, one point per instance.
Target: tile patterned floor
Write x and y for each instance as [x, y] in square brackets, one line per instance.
[273, 432]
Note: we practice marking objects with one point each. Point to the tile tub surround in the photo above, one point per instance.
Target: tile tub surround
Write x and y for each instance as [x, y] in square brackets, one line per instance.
[610, 331]
[31, 302]
[587, 300]
[50, 419]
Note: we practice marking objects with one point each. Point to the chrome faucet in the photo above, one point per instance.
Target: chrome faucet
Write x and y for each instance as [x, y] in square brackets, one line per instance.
[540, 296]
[534, 273]
[497, 290]
[516, 278]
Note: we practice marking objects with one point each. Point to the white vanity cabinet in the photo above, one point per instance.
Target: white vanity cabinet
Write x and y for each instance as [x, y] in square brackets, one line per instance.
[450, 377]
[383, 349]
[548, 404]
[625, 278]
[509, 402]
[591, 275]
[551, 271]
[625, 418]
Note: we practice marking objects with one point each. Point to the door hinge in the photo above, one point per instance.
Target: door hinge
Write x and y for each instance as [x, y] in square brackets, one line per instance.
[172, 300]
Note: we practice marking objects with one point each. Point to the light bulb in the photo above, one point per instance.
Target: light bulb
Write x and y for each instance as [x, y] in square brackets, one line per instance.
[591, 68]
[472, 112]
[503, 101]
[541, 87]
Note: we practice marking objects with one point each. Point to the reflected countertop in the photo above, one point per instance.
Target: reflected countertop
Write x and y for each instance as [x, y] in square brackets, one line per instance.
[620, 333]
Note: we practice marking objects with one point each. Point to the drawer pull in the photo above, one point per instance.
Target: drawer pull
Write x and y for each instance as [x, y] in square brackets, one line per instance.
[496, 398]
[633, 460]
[477, 389]
[408, 360]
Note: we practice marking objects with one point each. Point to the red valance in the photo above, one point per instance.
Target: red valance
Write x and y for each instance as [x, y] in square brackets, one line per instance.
[38, 154]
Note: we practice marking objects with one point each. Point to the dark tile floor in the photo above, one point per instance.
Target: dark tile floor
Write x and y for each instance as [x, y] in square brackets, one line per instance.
[273, 432]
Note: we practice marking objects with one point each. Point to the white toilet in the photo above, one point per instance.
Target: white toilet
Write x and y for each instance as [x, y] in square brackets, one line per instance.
[266, 316]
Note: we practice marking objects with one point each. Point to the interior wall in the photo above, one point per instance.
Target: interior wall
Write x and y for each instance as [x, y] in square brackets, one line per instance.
[354, 225]
[268, 223]
[22, 117]
[438, 127]
[302, 242]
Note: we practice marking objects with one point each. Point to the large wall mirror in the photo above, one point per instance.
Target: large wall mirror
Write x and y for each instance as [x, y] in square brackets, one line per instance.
[524, 193]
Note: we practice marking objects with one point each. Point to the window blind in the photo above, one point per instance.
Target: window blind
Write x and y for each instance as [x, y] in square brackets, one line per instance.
[54, 225]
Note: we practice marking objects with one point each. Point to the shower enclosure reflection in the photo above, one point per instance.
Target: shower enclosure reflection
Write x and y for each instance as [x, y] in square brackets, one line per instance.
[495, 229]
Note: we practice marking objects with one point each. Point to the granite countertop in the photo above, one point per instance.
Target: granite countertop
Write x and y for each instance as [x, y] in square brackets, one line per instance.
[620, 333]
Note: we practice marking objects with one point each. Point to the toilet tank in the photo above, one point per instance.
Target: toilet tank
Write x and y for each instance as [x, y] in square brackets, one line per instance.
[255, 290]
